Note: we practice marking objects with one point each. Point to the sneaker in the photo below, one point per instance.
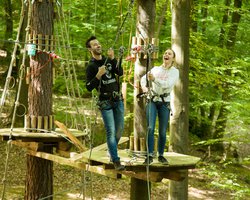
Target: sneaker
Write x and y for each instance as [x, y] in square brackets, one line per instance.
[163, 160]
[118, 166]
[148, 160]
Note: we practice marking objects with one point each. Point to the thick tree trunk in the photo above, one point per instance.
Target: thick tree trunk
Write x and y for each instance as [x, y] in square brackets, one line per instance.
[39, 177]
[145, 30]
[179, 119]
[231, 39]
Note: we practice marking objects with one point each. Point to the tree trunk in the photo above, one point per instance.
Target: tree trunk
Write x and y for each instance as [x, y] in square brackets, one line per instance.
[179, 118]
[39, 177]
[194, 14]
[223, 113]
[234, 24]
[145, 30]
[204, 15]
[224, 21]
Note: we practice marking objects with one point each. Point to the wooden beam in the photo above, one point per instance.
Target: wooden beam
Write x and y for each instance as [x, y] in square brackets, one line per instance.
[80, 165]
[34, 146]
[58, 159]
[76, 142]
[155, 176]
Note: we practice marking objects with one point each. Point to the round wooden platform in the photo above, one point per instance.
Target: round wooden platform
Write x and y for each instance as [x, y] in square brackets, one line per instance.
[23, 135]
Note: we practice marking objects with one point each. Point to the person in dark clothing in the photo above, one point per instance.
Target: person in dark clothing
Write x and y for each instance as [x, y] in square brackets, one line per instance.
[102, 75]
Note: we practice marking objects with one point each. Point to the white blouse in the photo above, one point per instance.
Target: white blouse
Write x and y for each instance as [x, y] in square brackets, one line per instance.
[164, 82]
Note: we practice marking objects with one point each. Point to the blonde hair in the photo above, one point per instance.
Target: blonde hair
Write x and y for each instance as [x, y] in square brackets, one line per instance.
[174, 61]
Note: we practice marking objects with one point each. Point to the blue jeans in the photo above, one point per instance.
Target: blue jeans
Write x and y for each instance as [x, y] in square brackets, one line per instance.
[113, 118]
[162, 110]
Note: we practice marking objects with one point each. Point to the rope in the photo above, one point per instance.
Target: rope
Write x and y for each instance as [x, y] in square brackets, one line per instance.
[95, 2]
[13, 58]
[70, 85]
[149, 50]
[69, 56]
[119, 32]
[19, 86]
[43, 45]
[149, 90]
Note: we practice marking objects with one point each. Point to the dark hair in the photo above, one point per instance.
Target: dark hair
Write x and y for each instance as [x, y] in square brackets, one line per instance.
[87, 44]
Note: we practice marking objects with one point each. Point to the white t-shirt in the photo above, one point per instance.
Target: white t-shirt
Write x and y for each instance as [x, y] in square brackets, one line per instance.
[164, 81]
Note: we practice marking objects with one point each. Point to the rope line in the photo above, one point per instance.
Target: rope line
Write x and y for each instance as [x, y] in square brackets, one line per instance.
[70, 88]
[13, 58]
[69, 56]
[19, 87]
[43, 45]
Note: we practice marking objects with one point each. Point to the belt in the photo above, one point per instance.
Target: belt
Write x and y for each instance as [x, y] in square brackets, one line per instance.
[115, 96]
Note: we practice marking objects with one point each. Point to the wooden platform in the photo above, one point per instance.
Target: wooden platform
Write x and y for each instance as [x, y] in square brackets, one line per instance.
[99, 162]
[136, 168]
[22, 135]
[177, 161]
[97, 159]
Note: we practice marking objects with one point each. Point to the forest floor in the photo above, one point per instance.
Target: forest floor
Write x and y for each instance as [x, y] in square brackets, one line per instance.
[207, 182]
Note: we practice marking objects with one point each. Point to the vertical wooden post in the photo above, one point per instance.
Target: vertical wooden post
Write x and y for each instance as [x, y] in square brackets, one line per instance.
[46, 43]
[46, 123]
[139, 189]
[131, 143]
[40, 41]
[39, 123]
[142, 144]
[33, 123]
[51, 43]
[136, 144]
[27, 122]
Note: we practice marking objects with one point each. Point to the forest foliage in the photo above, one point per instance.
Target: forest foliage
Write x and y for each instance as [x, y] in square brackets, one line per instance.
[219, 54]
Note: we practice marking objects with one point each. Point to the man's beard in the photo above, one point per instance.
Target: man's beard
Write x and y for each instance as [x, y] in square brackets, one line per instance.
[97, 51]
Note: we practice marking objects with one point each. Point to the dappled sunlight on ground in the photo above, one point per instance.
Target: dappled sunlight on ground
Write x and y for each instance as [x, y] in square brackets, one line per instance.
[195, 193]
